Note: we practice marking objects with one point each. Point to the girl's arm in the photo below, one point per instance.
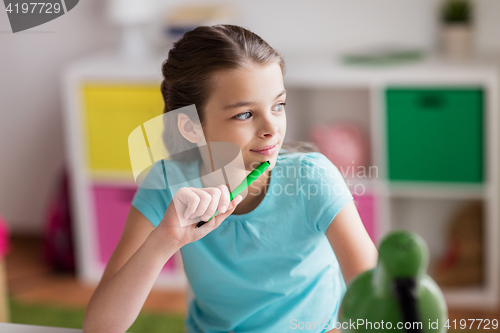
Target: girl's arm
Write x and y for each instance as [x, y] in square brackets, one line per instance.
[142, 252]
[129, 276]
[353, 247]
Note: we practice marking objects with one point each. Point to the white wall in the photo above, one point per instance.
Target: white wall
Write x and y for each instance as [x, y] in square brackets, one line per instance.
[31, 140]
[339, 24]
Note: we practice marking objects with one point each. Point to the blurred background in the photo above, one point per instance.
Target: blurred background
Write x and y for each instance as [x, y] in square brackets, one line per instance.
[365, 79]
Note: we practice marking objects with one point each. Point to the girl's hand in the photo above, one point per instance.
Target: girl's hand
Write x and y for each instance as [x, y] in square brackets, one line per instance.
[191, 205]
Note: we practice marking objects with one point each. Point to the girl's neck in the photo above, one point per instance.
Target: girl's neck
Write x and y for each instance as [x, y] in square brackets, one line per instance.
[256, 193]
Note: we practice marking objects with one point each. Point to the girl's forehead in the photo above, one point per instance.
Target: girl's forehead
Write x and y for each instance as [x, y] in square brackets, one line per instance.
[251, 80]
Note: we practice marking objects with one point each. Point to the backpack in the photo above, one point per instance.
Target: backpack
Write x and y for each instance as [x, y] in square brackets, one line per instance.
[57, 234]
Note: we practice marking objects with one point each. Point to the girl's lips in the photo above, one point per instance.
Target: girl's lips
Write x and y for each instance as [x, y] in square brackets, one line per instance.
[269, 151]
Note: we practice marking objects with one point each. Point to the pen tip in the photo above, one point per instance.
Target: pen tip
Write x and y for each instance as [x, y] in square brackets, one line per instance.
[268, 162]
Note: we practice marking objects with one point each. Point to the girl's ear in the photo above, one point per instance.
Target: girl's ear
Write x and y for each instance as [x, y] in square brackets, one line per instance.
[191, 132]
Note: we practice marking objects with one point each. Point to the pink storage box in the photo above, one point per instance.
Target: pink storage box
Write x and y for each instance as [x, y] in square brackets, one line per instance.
[4, 248]
[366, 208]
[4, 239]
[112, 204]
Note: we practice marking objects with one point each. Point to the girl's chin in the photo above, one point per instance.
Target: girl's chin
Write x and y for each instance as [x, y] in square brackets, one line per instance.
[253, 163]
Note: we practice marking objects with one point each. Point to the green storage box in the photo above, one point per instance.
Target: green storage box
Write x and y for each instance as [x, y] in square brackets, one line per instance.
[435, 134]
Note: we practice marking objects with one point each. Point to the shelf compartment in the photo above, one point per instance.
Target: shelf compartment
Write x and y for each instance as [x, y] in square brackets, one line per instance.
[455, 233]
[340, 126]
[435, 134]
[112, 112]
[112, 204]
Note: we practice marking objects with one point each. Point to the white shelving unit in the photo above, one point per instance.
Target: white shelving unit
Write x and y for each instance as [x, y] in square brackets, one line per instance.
[330, 92]
[104, 69]
[320, 89]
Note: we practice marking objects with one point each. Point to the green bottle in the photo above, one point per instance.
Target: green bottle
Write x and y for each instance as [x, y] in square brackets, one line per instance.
[397, 295]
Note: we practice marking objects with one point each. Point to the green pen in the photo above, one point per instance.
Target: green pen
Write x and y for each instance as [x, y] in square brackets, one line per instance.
[252, 176]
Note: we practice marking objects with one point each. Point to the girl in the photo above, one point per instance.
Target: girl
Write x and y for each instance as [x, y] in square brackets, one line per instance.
[276, 261]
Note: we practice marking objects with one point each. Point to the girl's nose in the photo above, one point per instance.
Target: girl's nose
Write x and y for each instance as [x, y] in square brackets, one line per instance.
[268, 126]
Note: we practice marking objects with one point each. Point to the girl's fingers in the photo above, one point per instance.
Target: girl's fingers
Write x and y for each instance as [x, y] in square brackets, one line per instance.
[217, 220]
[215, 194]
[230, 210]
[225, 198]
[186, 202]
[203, 203]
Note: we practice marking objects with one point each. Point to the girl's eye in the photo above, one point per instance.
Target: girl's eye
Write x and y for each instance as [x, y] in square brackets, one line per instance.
[280, 106]
[277, 107]
[238, 116]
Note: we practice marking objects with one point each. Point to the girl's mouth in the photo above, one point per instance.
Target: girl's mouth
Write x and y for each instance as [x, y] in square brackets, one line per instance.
[269, 151]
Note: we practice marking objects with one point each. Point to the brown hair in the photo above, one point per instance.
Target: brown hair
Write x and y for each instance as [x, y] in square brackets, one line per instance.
[190, 66]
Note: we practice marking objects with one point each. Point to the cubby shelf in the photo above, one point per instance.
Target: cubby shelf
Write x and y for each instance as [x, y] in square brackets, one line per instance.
[436, 191]
[334, 92]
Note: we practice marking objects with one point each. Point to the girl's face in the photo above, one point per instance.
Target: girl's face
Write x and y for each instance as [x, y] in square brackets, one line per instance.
[246, 107]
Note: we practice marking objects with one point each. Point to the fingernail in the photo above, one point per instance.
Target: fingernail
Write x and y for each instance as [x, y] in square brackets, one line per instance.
[186, 215]
[223, 209]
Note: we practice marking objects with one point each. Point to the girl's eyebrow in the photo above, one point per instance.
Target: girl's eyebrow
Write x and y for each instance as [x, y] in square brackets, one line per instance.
[240, 104]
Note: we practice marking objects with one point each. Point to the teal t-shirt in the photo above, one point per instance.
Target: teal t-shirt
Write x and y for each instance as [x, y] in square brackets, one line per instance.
[273, 269]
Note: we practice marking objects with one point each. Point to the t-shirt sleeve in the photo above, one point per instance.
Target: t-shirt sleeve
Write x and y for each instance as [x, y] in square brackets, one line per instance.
[153, 196]
[325, 191]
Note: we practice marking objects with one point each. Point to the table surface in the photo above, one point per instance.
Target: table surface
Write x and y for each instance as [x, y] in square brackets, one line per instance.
[17, 328]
